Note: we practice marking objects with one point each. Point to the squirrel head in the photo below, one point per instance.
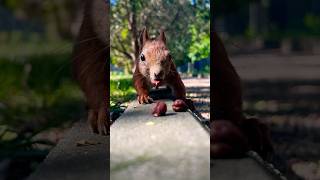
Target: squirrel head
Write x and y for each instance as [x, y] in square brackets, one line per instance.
[154, 59]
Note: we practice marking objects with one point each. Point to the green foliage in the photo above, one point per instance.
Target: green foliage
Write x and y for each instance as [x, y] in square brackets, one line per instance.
[38, 90]
[175, 17]
[305, 23]
[33, 103]
[223, 7]
[54, 16]
[200, 47]
[12, 4]
[20, 46]
[312, 22]
[250, 34]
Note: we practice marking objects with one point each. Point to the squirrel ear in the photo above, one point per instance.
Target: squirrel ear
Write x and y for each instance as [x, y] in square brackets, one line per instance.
[162, 36]
[144, 36]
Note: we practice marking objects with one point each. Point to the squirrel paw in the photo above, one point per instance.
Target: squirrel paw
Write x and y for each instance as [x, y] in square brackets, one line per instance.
[145, 99]
[227, 140]
[99, 121]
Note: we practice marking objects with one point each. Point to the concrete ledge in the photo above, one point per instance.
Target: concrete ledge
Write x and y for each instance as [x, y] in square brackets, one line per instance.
[143, 147]
[240, 169]
[174, 146]
[69, 161]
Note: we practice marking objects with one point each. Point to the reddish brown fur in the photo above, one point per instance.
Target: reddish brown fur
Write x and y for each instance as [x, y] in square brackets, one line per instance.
[227, 140]
[156, 55]
[226, 91]
[227, 98]
[90, 56]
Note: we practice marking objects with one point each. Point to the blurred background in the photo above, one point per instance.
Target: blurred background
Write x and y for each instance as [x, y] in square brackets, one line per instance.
[187, 27]
[38, 98]
[275, 47]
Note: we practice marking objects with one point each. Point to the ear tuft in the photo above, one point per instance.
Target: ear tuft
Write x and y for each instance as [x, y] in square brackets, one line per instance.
[144, 36]
[162, 36]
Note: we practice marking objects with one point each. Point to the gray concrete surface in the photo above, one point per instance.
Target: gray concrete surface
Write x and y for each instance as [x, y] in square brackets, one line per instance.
[276, 67]
[174, 147]
[284, 92]
[239, 169]
[143, 147]
[69, 161]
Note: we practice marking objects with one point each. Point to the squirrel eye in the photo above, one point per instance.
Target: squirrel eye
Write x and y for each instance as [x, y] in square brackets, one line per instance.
[142, 57]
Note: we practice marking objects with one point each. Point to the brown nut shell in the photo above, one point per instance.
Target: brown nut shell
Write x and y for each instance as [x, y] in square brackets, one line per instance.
[179, 106]
[159, 109]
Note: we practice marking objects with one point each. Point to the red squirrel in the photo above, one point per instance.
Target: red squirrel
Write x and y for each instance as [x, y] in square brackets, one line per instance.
[155, 67]
[90, 57]
[232, 134]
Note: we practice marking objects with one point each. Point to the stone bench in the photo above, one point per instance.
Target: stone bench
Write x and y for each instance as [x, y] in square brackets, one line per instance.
[80, 155]
[247, 168]
[175, 146]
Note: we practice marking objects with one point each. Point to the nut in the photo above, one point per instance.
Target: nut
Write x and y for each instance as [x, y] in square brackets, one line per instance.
[179, 106]
[159, 109]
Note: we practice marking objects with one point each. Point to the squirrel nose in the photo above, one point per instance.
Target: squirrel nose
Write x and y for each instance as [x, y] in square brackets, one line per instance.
[158, 75]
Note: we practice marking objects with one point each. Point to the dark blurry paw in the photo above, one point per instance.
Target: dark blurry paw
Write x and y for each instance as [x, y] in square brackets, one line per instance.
[144, 99]
[227, 140]
[258, 137]
[99, 121]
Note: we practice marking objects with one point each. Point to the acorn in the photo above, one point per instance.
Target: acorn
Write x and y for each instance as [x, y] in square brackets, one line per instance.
[179, 106]
[159, 109]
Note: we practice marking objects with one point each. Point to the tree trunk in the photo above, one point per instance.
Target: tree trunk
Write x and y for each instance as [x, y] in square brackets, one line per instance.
[254, 17]
[134, 32]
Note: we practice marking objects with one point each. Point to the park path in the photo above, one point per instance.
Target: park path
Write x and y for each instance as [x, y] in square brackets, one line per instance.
[284, 92]
[198, 89]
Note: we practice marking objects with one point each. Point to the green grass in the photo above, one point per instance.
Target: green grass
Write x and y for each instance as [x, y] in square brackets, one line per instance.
[36, 94]
[121, 90]
[20, 49]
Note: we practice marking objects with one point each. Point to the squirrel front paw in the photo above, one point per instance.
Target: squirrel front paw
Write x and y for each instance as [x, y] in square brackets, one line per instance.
[144, 99]
[227, 140]
[99, 121]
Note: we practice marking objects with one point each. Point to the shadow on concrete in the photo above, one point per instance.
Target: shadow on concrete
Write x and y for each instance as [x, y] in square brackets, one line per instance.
[292, 110]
